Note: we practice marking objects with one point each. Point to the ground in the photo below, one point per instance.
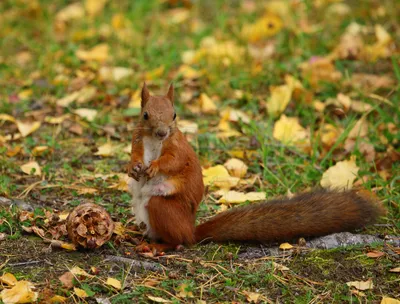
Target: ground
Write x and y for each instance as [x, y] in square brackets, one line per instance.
[304, 93]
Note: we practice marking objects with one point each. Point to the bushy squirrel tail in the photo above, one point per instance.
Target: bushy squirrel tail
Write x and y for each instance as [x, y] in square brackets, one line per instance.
[304, 215]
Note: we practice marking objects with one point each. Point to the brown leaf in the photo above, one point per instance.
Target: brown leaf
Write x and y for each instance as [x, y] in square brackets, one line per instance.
[375, 254]
[67, 280]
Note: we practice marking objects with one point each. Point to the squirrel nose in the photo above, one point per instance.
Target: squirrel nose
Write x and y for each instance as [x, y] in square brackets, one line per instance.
[161, 133]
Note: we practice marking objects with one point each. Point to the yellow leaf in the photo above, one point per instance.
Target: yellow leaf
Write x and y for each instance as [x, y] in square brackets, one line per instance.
[56, 120]
[219, 177]
[234, 115]
[119, 229]
[235, 197]
[156, 73]
[341, 176]
[26, 128]
[71, 12]
[89, 114]
[79, 272]
[267, 26]
[361, 285]
[386, 300]
[158, 299]
[226, 130]
[183, 292]
[94, 7]
[21, 293]
[106, 150]
[279, 99]
[6, 117]
[329, 134]
[9, 279]
[58, 299]
[114, 73]
[25, 94]
[252, 297]
[189, 127]
[67, 100]
[68, 246]
[28, 167]
[114, 283]
[396, 269]
[289, 131]
[285, 246]
[14, 151]
[207, 104]
[38, 150]
[97, 53]
[236, 167]
[80, 293]
[359, 130]
[188, 72]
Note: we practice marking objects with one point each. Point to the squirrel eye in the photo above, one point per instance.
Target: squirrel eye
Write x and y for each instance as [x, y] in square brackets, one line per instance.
[146, 115]
[174, 116]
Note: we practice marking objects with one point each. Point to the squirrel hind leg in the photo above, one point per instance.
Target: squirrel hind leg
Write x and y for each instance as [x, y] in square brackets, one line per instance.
[171, 220]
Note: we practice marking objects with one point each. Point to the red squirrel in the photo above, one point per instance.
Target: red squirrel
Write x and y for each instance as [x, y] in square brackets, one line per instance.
[167, 187]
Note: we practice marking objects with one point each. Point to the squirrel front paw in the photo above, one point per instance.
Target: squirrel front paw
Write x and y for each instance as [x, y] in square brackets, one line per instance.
[153, 169]
[135, 170]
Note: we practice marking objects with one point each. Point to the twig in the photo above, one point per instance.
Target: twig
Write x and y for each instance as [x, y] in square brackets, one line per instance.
[25, 263]
[135, 264]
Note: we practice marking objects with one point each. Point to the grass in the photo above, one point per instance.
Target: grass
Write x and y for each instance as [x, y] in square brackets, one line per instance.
[39, 65]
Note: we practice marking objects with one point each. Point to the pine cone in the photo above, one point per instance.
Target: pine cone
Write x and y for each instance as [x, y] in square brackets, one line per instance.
[89, 226]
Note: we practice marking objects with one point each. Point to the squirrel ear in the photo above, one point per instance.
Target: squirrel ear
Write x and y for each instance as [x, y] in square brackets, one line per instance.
[170, 94]
[145, 94]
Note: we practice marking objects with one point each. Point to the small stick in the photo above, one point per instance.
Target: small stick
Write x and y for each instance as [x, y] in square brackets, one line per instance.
[135, 264]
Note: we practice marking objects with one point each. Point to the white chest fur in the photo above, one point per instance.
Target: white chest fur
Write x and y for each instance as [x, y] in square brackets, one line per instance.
[151, 149]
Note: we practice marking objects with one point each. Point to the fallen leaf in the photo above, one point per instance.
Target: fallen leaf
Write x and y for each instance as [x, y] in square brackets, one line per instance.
[279, 99]
[89, 114]
[26, 128]
[285, 246]
[235, 197]
[94, 7]
[25, 94]
[58, 299]
[235, 115]
[67, 279]
[219, 176]
[158, 299]
[280, 267]
[386, 300]
[14, 151]
[105, 150]
[97, 53]
[156, 73]
[361, 285]
[236, 167]
[80, 293]
[289, 131]
[114, 74]
[114, 283]
[265, 27]
[252, 297]
[119, 228]
[360, 129]
[397, 269]
[39, 150]
[183, 291]
[9, 279]
[21, 293]
[375, 254]
[207, 104]
[71, 12]
[31, 168]
[340, 176]
[186, 127]
[6, 117]
[187, 72]
[79, 272]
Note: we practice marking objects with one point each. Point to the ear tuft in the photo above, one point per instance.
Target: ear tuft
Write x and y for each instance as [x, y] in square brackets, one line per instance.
[145, 94]
[170, 94]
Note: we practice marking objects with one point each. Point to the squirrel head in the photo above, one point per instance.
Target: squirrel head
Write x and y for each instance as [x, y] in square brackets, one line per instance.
[158, 113]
